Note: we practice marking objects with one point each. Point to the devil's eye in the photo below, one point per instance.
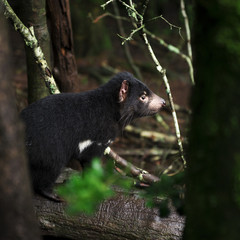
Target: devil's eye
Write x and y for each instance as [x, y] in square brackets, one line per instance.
[143, 96]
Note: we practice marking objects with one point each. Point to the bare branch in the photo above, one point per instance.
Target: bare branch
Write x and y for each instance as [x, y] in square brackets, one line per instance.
[170, 24]
[126, 46]
[141, 174]
[132, 12]
[188, 34]
[168, 91]
[105, 4]
[107, 14]
[186, 22]
[131, 34]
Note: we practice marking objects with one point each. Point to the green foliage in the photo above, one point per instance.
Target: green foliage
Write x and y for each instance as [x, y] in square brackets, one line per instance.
[85, 192]
[169, 188]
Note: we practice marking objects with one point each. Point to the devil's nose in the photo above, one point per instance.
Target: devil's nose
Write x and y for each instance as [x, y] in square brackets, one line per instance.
[163, 102]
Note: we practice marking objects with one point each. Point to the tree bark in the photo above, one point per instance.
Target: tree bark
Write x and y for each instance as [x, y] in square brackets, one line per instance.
[122, 217]
[33, 13]
[213, 193]
[65, 67]
[17, 219]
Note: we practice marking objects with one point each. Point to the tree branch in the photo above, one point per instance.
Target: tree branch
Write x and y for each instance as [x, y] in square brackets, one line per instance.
[188, 34]
[141, 174]
[126, 46]
[168, 90]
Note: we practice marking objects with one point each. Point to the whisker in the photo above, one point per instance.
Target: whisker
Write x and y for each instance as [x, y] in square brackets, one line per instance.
[126, 118]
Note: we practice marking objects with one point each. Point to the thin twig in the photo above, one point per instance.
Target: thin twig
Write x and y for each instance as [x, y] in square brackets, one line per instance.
[188, 34]
[31, 41]
[105, 4]
[107, 14]
[186, 22]
[131, 34]
[126, 46]
[170, 24]
[168, 91]
[133, 12]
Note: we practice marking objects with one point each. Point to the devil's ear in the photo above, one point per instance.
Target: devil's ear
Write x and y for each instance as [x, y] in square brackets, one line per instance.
[123, 91]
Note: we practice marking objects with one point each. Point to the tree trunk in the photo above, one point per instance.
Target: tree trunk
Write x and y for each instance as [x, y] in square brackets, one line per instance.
[33, 13]
[65, 67]
[120, 218]
[213, 192]
[17, 219]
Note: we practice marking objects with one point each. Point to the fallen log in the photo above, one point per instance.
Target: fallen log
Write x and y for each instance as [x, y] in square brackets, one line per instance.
[120, 218]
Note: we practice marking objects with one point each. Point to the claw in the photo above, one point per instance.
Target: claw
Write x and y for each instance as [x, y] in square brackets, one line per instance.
[51, 196]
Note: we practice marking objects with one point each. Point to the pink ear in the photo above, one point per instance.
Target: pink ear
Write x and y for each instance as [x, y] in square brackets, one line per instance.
[123, 91]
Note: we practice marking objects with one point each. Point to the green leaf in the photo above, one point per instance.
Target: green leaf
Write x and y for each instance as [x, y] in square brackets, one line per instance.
[85, 192]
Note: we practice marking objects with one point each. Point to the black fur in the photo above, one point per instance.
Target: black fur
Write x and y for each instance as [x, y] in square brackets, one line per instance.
[57, 124]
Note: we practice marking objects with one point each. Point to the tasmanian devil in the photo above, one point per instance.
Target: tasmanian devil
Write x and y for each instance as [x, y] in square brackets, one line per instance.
[81, 126]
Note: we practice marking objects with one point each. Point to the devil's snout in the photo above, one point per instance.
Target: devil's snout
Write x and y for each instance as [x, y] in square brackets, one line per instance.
[156, 103]
[163, 102]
